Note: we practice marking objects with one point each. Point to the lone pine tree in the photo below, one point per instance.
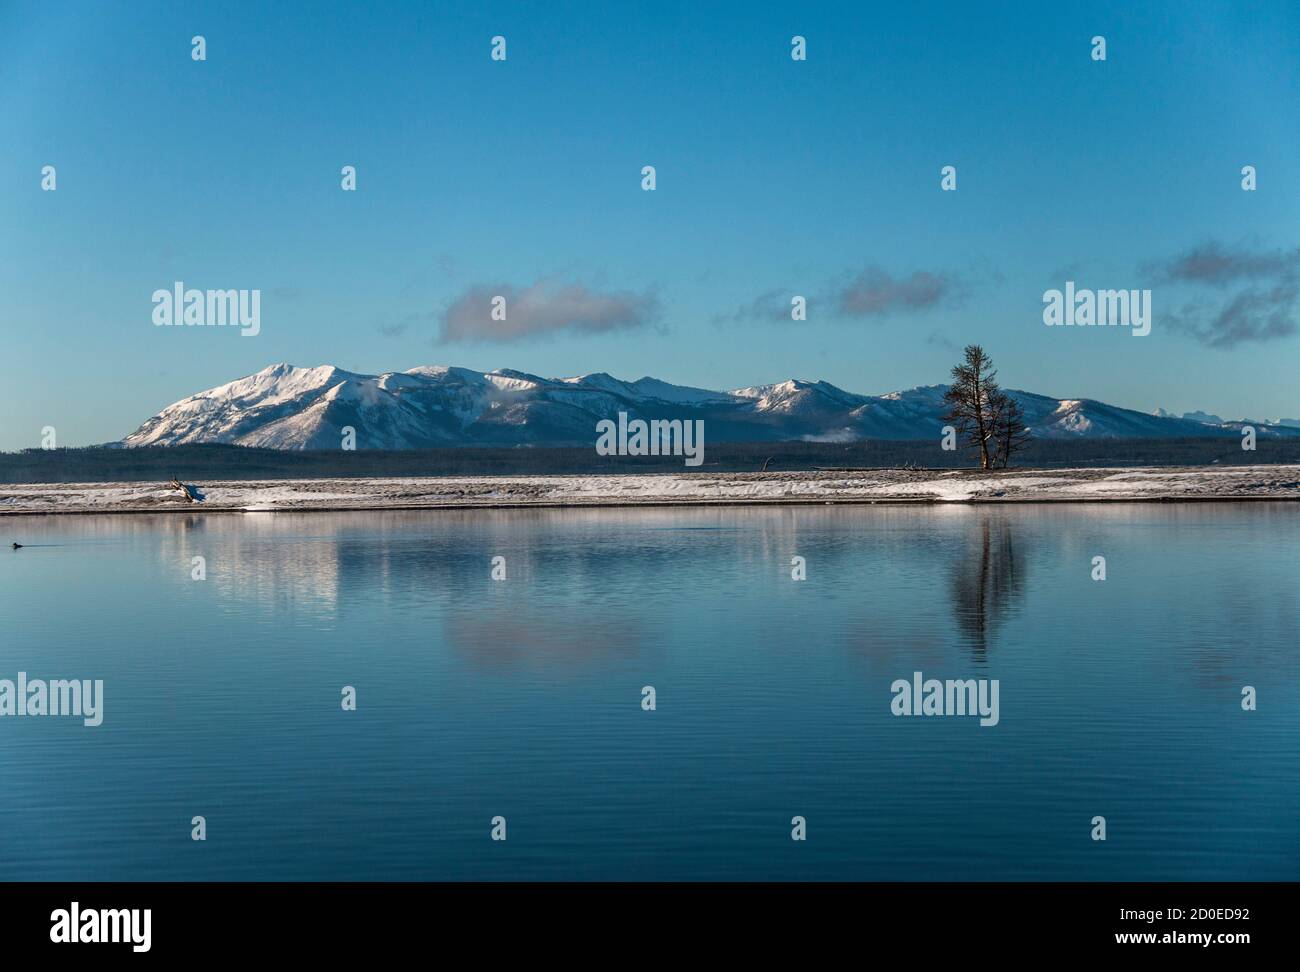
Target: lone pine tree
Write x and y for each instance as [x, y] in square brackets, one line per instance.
[984, 416]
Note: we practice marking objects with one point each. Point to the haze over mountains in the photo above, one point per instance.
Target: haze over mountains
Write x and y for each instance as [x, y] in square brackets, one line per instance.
[286, 407]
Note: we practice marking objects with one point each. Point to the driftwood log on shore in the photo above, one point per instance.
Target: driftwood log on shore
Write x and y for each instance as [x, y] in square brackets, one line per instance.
[190, 491]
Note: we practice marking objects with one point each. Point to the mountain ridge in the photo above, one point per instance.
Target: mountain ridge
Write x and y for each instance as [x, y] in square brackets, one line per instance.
[288, 407]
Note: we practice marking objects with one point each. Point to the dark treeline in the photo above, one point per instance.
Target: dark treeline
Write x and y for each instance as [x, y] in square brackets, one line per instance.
[215, 462]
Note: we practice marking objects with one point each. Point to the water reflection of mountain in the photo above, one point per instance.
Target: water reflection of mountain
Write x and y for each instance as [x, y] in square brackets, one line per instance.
[986, 581]
[555, 561]
[639, 567]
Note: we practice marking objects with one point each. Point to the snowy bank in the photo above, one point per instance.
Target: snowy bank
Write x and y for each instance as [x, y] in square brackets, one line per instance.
[848, 486]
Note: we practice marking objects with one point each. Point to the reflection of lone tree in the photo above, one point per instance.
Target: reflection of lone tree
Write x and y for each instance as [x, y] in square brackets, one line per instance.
[986, 582]
[986, 417]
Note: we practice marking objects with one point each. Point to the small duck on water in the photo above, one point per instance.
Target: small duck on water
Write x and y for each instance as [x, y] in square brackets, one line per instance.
[17, 545]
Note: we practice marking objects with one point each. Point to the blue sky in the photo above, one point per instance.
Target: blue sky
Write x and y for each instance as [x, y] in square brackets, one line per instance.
[774, 178]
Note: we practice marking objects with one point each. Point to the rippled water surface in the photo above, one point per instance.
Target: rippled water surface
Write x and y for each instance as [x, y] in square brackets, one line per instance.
[522, 697]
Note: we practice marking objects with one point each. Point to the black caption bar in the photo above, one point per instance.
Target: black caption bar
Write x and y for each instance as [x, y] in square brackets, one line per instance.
[171, 921]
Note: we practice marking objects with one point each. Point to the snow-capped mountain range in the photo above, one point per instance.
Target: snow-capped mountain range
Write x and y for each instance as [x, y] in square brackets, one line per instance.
[286, 407]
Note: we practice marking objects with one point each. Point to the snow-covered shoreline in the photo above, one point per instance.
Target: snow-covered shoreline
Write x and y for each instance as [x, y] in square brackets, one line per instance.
[850, 486]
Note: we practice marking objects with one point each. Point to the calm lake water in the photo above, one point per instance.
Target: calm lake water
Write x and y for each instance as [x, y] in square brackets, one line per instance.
[522, 697]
